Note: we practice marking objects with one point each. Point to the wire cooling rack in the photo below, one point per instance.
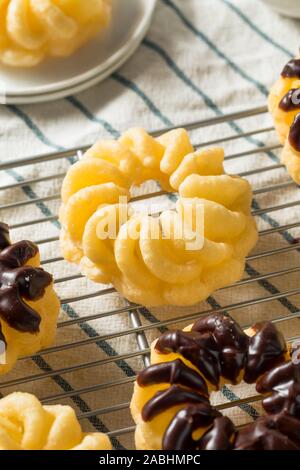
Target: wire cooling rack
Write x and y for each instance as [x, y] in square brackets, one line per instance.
[94, 361]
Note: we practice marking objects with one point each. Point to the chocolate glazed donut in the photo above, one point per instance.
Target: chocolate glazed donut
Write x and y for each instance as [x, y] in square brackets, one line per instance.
[217, 346]
[287, 103]
[18, 282]
[219, 349]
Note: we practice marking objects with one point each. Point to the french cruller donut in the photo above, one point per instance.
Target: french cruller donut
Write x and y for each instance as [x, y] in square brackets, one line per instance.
[26, 424]
[31, 30]
[156, 270]
[171, 401]
[284, 105]
[29, 306]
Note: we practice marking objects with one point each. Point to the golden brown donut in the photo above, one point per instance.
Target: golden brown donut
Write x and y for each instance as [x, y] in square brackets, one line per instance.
[26, 424]
[31, 30]
[158, 270]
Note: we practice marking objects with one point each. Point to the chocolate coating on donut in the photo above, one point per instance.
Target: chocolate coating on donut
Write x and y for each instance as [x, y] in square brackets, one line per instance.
[18, 282]
[290, 101]
[220, 436]
[283, 386]
[165, 399]
[267, 348]
[174, 372]
[179, 434]
[231, 341]
[291, 69]
[200, 349]
[279, 432]
[294, 135]
[217, 346]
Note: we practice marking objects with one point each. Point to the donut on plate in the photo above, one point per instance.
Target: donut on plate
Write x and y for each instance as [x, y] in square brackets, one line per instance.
[31, 30]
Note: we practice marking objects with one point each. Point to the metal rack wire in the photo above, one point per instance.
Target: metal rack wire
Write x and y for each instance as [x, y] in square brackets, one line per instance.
[285, 266]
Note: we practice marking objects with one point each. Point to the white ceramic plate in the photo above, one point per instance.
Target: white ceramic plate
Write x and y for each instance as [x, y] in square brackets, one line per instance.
[59, 94]
[98, 58]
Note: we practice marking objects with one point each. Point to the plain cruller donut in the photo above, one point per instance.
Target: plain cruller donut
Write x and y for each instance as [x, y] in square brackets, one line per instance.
[156, 271]
[32, 30]
[26, 424]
